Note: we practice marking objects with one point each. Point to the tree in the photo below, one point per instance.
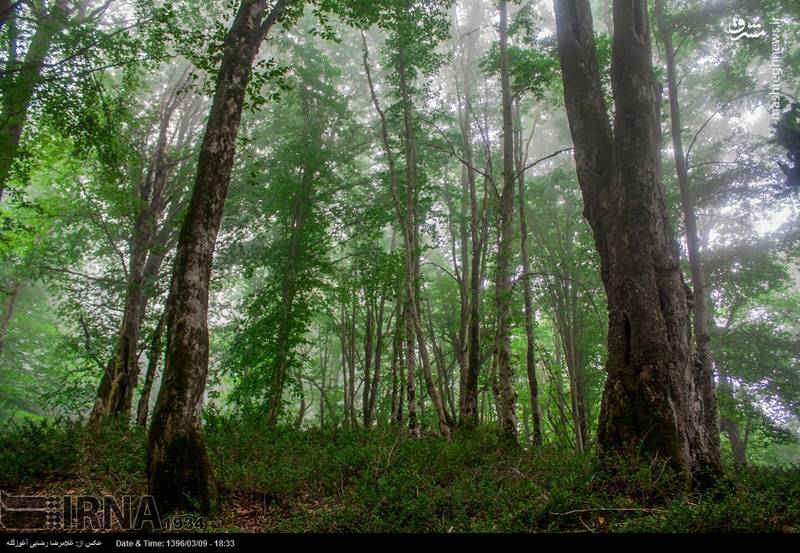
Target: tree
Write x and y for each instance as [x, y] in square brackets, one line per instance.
[699, 307]
[21, 79]
[473, 261]
[156, 204]
[408, 45]
[653, 393]
[180, 476]
[503, 284]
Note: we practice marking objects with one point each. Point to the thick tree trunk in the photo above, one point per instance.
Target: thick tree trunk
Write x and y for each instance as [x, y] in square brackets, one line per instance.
[652, 399]
[180, 476]
[699, 306]
[20, 84]
[504, 284]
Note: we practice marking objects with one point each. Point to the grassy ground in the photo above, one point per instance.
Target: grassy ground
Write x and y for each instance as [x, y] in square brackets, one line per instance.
[377, 481]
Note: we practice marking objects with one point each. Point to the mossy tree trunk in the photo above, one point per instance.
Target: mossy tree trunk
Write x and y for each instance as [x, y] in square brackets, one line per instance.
[653, 398]
[180, 475]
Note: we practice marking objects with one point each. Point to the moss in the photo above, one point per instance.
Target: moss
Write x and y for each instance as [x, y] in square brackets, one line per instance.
[185, 482]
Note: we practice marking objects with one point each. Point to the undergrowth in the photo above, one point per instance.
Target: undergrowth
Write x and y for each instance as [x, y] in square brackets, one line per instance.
[381, 481]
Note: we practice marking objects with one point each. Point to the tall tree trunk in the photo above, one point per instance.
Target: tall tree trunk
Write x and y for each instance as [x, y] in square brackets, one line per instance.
[699, 305]
[397, 362]
[302, 207]
[180, 476]
[468, 224]
[411, 370]
[20, 84]
[407, 219]
[352, 375]
[412, 246]
[652, 398]
[345, 386]
[115, 394]
[323, 363]
[374, 382]
[504, 284]
[478, 232]
[530, 350]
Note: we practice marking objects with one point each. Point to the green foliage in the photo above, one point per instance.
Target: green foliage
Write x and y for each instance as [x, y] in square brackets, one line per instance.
[383, 482]
[288, 261]
[69, 454]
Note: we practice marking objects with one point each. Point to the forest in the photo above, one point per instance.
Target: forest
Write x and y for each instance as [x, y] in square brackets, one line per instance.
[402, 265]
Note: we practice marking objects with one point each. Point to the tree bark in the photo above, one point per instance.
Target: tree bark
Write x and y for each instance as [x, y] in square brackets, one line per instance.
[180, 476]
[504, 284]
[652, 398]
[699, 305]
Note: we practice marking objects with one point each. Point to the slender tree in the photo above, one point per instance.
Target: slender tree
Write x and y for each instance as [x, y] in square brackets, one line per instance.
[504, 284]
[149, 242]
[520, 159]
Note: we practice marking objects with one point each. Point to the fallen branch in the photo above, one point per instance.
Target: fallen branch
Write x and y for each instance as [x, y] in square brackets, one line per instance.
[632, 509]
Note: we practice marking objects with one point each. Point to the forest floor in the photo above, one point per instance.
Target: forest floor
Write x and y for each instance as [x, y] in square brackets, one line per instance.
[377, 481]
